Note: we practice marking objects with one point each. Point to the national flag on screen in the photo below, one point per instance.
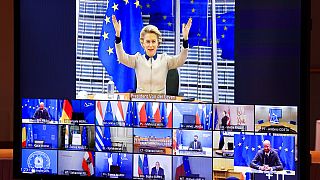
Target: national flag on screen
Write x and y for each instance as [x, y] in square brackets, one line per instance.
[66, 136]
[183, 167]
[135, 113]
[145, 165]
[216, 120]
[129, 115]
[156, 112]
[108, 116]
[169, 115]
[229, 117]
[119, 114]
[30, 135]
[163, 114]
[67, 110]
[87, 163]
[140, 166]
[84, 139]
[142, 113]
[24, 137]
[99, 139]
[129, 13]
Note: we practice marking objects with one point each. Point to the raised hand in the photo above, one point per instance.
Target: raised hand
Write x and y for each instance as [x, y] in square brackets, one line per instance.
[116, 25]
[186, 29]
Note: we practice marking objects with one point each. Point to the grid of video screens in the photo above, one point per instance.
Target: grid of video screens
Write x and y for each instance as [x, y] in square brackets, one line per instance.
[155, 140]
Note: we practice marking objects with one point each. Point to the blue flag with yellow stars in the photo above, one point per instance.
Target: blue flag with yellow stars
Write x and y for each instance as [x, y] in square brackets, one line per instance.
[225, 34]
[199, 34]
[129, 13]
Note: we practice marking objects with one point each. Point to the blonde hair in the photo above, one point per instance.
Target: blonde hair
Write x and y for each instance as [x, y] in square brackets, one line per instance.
[150, 29]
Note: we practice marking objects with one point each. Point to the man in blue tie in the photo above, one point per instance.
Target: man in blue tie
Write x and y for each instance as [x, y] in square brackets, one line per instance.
[157, 170]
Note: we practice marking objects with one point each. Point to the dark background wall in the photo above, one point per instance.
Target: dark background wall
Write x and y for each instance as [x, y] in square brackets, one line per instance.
[7, 57]
[6, 72]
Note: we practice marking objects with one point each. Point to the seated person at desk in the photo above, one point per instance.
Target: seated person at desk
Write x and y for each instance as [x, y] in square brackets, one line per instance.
[195, 144]
[266, 159]
[157, 170]
[41, 113]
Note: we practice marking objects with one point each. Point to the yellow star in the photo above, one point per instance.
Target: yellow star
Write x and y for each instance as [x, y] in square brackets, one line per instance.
[204, 39]
[193, 10]
[148, 5]
[107, 20]
[110, 50]
[137, 3]
[105, 35]
[222, 36]
[210, 41]
[218, 40]
[169, 24]
[198, 34]
[218, 17]
[126, 1]
[225, 28]
[192, 1]
[115, 7]
[164, 17]
[223, 20]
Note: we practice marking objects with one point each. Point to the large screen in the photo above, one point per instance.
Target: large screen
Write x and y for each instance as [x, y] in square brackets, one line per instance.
[242, 73]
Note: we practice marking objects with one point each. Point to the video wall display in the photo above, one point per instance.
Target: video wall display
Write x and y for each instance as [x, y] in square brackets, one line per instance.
[157, 140]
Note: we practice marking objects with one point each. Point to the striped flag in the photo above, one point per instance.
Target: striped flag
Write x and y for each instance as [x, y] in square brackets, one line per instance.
[87, 163]
[119, 114]
[169, 114]
[140, 166]
[156, 112]
[24, 137]
[66, 112]
[142, 113]
[99, 113]
[99, 145]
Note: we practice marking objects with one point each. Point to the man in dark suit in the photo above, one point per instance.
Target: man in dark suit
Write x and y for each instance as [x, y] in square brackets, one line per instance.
[266, 159]
[41, 112]
[157, 170]
[195, 144]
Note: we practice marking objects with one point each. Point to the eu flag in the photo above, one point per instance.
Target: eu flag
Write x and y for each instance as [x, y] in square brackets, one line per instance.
[246, 147]
[84, 136]
[135, 114]
[225, 34]
[108, 116]
[145, 165]
[198, 11]
[129, 13]
[129, 115]
[107, 138]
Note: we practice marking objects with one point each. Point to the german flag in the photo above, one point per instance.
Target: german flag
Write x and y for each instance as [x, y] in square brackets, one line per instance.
[66, 112]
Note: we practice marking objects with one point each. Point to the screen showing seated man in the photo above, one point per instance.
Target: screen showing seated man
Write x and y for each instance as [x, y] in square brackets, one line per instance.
[195, 144]
[152, 166]
[192, 142]
[264, 153]
[266, 159]
[39, 110]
